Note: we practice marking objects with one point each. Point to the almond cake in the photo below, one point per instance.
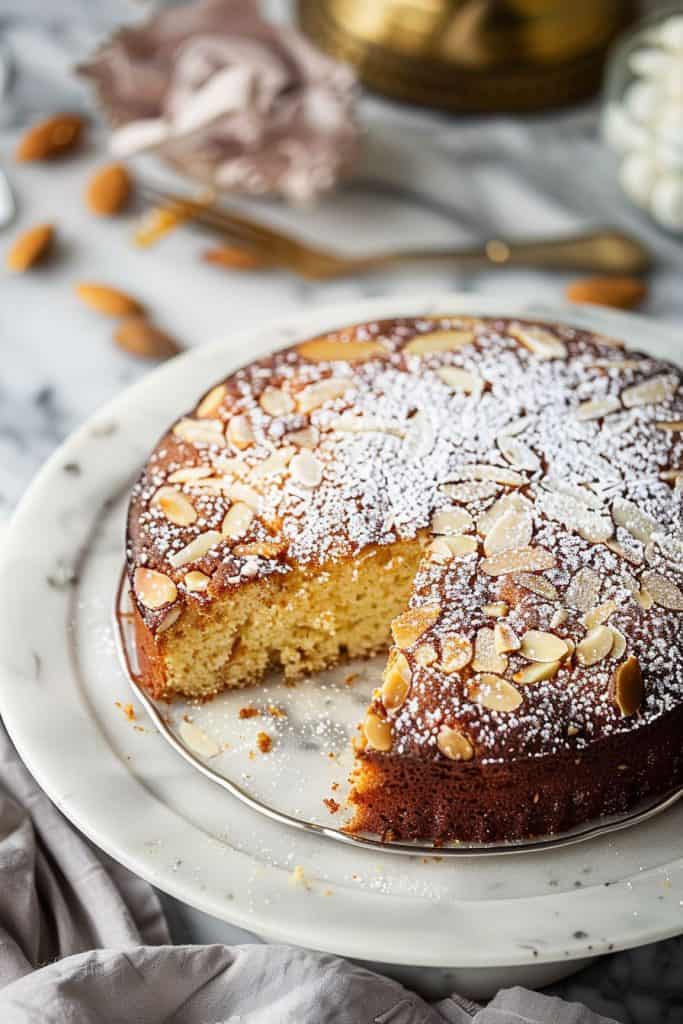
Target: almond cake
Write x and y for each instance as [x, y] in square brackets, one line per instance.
[497, 502]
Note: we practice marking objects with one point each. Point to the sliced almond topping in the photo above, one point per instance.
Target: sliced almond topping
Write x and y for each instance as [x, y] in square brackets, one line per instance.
[305, 469]
[175, 506]
[493, 692]
[514, 529]
[307, 437]
[231, 465]
[537, 672]
[314, 395]
[663, 591]
[486, 657]
[618, 644]
[238, 491]
[452, 521]
[425, 655]
[539, 341]
[456, 652]
[196, 549]
[472, 490]
[378, 732]
[674, 426]
[260, 549]
[591, 524]
[583, 591]
[497, 474]
[528, 559]
[650, 392]
[596, 408]
[237, 520]
[197, 581]
[332, 349]
[153, 589]
[239, 433]
[627, 514]
[275, 401]
[505, 638]
[487, 520]
[169, 619]
[538, 645]
[275, 464]
[517, 453]
[411, 624]
[199, 432]
[438, 341]
[595, 646]
[461, 380]
[628, 554]
[597, 616]
[627, 687]
[644, 599]
[211, 403]
[396, 684]
[358, 423]
[454, 745]
[559, 618]
[444, 549]
[496, 610]
[190, 474]
[537, 585]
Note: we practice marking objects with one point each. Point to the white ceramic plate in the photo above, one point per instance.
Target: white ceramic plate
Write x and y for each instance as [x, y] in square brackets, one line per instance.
[122, 784]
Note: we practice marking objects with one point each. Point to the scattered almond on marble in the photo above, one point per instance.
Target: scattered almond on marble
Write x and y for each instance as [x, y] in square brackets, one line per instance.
[140, 337]
[30, 248]
[50, 138]
[104, 299]
[108, 190]
[618, 292]
[235, 257]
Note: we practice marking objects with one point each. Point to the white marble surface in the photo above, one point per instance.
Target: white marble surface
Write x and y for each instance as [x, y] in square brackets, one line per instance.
[58, 362]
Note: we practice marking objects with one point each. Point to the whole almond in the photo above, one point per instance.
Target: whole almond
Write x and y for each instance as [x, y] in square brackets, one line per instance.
[620, 292]
[107, 300]
[234, 257]
[50, 138]
[108, 190]
[30, 247]
[139, 337]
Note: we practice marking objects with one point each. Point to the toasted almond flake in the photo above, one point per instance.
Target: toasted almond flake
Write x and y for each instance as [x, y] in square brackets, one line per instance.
[596, 408]
[197, 740]
[629, 555]
[514, 529]
[176, 507]
[456, 652]
[425, 655]
[237, 520]
[487, 520]
[537, 585]
[650, 392]
[577, 493]
[516, 427]
[627, 514]
[169, 619]
[314, 395]
[358, 423]
[583, 592]
[537, 645]
[518, 454]
[528, 559]
[559, 618]
[451, 521]
[307, 437]
[196, 549]
[494, 693]
[305, 469]
[590, 524]
[538, 340]
[673, 426]
[486, 657]
[153, 589]
[275, 464]
[332, 349]
[598, 616]
[537, 672]
[196, 581]
[190, 474]
[240, 492]
[663, 591]
[438, 341]
[239, 433]
[497, 474]
[231, 465]
[644, 599]
[378, 732]
[199, 432]
[595, 646]
[461, 380]
[276, 402]
[496, 610]
[459, 546]
[209, 406]
[618, 644]
[260, 549]
[472, 490]
[454, 745]
[627, 687]
[412, 623]
[396, 683]
[505, 638]
[419, 438]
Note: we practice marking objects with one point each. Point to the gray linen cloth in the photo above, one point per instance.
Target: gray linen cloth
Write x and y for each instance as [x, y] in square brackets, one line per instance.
[82, 940]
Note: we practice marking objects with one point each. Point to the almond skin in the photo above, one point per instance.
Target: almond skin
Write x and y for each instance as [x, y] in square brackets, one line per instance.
[233, 257]
[50, 138]
[108, 190]
[618, 292]
[30, 247]
[110, 301]
[139, 337]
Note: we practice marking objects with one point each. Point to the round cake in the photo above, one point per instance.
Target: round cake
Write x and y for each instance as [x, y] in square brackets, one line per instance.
[498, 503]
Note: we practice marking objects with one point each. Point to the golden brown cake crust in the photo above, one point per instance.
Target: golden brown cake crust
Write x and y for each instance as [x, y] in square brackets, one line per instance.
[547, 464]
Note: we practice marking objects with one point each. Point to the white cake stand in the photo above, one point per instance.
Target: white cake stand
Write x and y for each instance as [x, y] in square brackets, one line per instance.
[469, 923]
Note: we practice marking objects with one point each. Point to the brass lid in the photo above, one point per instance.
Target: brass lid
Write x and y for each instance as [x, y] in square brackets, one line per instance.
[471, 55]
